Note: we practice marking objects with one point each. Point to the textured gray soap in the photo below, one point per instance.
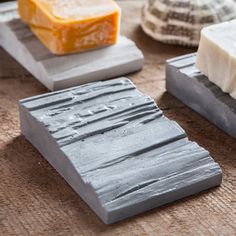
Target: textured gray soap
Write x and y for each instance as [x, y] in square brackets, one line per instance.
[115, 148]
[59, 72]
[194, 89]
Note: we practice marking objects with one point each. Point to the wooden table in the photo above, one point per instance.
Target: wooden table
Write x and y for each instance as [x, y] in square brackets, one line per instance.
[35, 200]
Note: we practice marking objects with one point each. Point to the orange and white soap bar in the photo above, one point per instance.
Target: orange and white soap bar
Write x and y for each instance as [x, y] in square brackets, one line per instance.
[67, 26]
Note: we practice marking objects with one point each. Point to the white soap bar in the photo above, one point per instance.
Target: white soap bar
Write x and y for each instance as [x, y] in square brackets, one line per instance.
[216, 57]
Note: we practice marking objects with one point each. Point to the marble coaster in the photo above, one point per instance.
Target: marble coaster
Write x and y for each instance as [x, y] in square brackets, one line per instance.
[194, 89]
[115, 148]
[59, 72]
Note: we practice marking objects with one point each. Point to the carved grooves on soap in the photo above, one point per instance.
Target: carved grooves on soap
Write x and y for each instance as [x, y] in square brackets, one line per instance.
[135, 188]
[113, 116]
[75, 94]
[88, 134]
[203, 164]
[110, 117]
[117, 124]
[128, 156]
[86, 112]
[125, 118]
[183, 61]
[186, 65]
[94, 96]
[140, 108]
[165, 185]
[197, 160]
[154, 156]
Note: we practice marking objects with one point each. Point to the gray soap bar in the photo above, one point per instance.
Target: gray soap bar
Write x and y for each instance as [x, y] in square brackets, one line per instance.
[58, 72]
[194, 89]
[115, 148]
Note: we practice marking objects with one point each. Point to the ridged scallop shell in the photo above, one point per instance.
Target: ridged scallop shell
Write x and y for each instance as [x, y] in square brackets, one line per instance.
[180, 21]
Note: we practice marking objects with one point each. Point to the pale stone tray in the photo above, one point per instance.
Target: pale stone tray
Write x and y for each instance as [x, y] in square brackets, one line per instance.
[194, 89]
[58, 72]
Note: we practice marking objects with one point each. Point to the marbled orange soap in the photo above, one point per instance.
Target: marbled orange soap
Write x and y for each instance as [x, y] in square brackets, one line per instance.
[66, 26]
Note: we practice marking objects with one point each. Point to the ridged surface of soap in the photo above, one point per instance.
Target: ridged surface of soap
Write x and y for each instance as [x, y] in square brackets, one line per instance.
[115, 147]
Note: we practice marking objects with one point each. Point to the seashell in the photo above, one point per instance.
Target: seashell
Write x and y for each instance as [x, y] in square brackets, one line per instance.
[180, 21]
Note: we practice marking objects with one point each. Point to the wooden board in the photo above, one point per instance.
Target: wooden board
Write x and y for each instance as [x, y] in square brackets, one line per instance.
[35, 200]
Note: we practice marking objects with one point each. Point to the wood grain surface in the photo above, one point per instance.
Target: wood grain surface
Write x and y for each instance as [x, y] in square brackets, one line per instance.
[35, 200]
